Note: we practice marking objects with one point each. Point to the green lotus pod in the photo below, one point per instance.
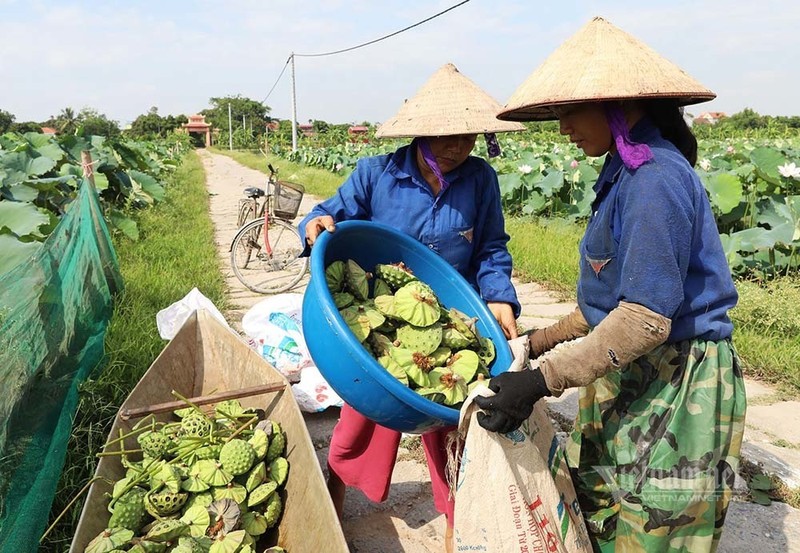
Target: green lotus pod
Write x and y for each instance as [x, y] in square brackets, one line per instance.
[193, 483]
[275, 549]
[277, 444]
[246, 548]
[356, 280]
[464, 324]
[210, 451]
[480, 380]
[154, 444]
[433, 394]
[147, 546]
[193, 544]
[197, 519]
[422, 340]
[486, 351]
[161, 504]
[451, 380]
[231, 409]
[186, 411]
[261, 493]
[464, 363]
[416, 304]
[278, 470]
[237, 456]
[203, 499]
[335, 275]
[273, 509]
[342, 299]
[237, 492]
[416, 365]
[256, 476]
[393, 368]
[254, 523]
[212, 473]
[396, 275]
[167, 476]
[120, 487]
[197, 425]
[225, 516]
[228, 543]
[380, 288]
[453, 339]
[440, 356]
[357, 322]
[379, 343]
[128, 511]
[167, 530]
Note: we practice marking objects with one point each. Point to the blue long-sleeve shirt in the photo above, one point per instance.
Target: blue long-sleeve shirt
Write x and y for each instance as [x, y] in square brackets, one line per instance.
[652, 240]
[464, 223]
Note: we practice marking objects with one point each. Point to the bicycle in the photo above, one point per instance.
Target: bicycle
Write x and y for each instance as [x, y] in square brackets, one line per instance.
[265, 253]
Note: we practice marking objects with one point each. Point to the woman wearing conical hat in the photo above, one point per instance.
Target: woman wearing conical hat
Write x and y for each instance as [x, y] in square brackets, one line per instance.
[661, 409]
[433, 190]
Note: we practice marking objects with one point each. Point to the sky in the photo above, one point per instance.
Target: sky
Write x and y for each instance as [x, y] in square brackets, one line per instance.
[122, 57]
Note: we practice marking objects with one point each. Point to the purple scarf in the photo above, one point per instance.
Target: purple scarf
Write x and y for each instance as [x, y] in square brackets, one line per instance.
[429, 158]
[633, 154]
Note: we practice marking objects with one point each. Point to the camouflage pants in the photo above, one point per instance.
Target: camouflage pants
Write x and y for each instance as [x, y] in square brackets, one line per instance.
[656, 446]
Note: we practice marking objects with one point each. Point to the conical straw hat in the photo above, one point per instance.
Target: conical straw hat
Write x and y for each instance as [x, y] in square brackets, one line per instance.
[600, 62]
[448, 104]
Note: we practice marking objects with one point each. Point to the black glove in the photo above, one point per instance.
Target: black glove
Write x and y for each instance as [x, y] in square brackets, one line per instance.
[512, 404]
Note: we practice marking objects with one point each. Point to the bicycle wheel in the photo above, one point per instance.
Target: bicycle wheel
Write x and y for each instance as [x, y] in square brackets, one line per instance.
[247, 211]
[263, 272]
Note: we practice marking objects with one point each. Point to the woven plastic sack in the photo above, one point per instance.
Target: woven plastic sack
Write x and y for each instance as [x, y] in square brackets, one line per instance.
[514, 492]
[54, 310]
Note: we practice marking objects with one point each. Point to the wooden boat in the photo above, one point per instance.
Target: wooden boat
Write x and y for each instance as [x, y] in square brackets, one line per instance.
[207, 359]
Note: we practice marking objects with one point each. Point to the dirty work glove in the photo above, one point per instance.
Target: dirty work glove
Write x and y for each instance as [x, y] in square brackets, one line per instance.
[512, 404]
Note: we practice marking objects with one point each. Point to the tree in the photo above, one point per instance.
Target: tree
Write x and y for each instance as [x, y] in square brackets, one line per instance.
[67, 121]
[152, 125]
[95, 123]
[25, 126]
[255, 113]
[6, 120]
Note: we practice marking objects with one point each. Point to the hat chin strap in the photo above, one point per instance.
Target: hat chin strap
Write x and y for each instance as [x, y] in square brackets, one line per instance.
[430, 160]
[633, 154]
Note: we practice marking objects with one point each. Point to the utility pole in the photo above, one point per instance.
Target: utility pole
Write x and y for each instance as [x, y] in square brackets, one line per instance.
[294, 109]
[230, 128]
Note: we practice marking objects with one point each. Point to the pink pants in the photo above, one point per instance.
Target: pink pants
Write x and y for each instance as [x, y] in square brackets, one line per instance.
[363, 453]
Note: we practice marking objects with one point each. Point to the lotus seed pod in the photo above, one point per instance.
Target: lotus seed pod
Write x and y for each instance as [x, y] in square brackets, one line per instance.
[154, 444]
[357, 280]
[261, 493]
[164, 503]
[396, 275]
[254, 523]
[167, 476]
[380, 288]
[422, 340]
[203, 499]
[464, 324]
[385, 306]
[198, 520]
[231, 409]
[335, 275]
[225, 515]
[453, 339]
[415, 365]
[379, 343]
[256, 476]
[259, 441]
[480, 380]
[393, 368]
[273, 509]
[129, 512]
[357, 322]
[237, 456]
[228, 543]
[108, 540]
[450, 384]
[278, 470]
[464, 363]
[277, 443]
[440, 356]
[167, 531]
[416, 304]
[275, 549]
[197, 425]
[211, 472]
[342, 299]
[211, 451]
[147, 546]
[486, 351]
[236, 492]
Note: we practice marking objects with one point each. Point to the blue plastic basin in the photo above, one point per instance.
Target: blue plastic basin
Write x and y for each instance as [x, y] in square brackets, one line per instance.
[347, 366]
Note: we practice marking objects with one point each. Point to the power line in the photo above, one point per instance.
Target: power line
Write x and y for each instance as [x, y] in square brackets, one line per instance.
[383, 37]
[276, 80]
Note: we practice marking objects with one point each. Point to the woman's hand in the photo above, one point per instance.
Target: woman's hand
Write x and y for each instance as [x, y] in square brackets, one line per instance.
[317, 225]
[505, 316]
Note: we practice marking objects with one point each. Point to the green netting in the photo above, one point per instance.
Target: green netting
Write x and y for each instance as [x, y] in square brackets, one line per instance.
[54, 310]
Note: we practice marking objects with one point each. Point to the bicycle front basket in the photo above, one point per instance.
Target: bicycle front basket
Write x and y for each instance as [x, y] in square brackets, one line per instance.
[287, 198]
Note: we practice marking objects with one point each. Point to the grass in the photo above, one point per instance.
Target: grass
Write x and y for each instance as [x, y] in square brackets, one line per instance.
[317, 182]
[545, 251]
[175, 253]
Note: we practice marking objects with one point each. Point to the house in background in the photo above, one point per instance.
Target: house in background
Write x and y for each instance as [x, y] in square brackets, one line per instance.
[197, 125]
[307, 129]
[358, 133]
[49, 130]
[709, 118]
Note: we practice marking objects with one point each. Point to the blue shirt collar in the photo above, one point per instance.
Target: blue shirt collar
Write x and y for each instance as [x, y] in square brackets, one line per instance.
[404, 166]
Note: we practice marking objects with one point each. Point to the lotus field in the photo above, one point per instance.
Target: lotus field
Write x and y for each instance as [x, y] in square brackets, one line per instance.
[40, 176]
[753, 185]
